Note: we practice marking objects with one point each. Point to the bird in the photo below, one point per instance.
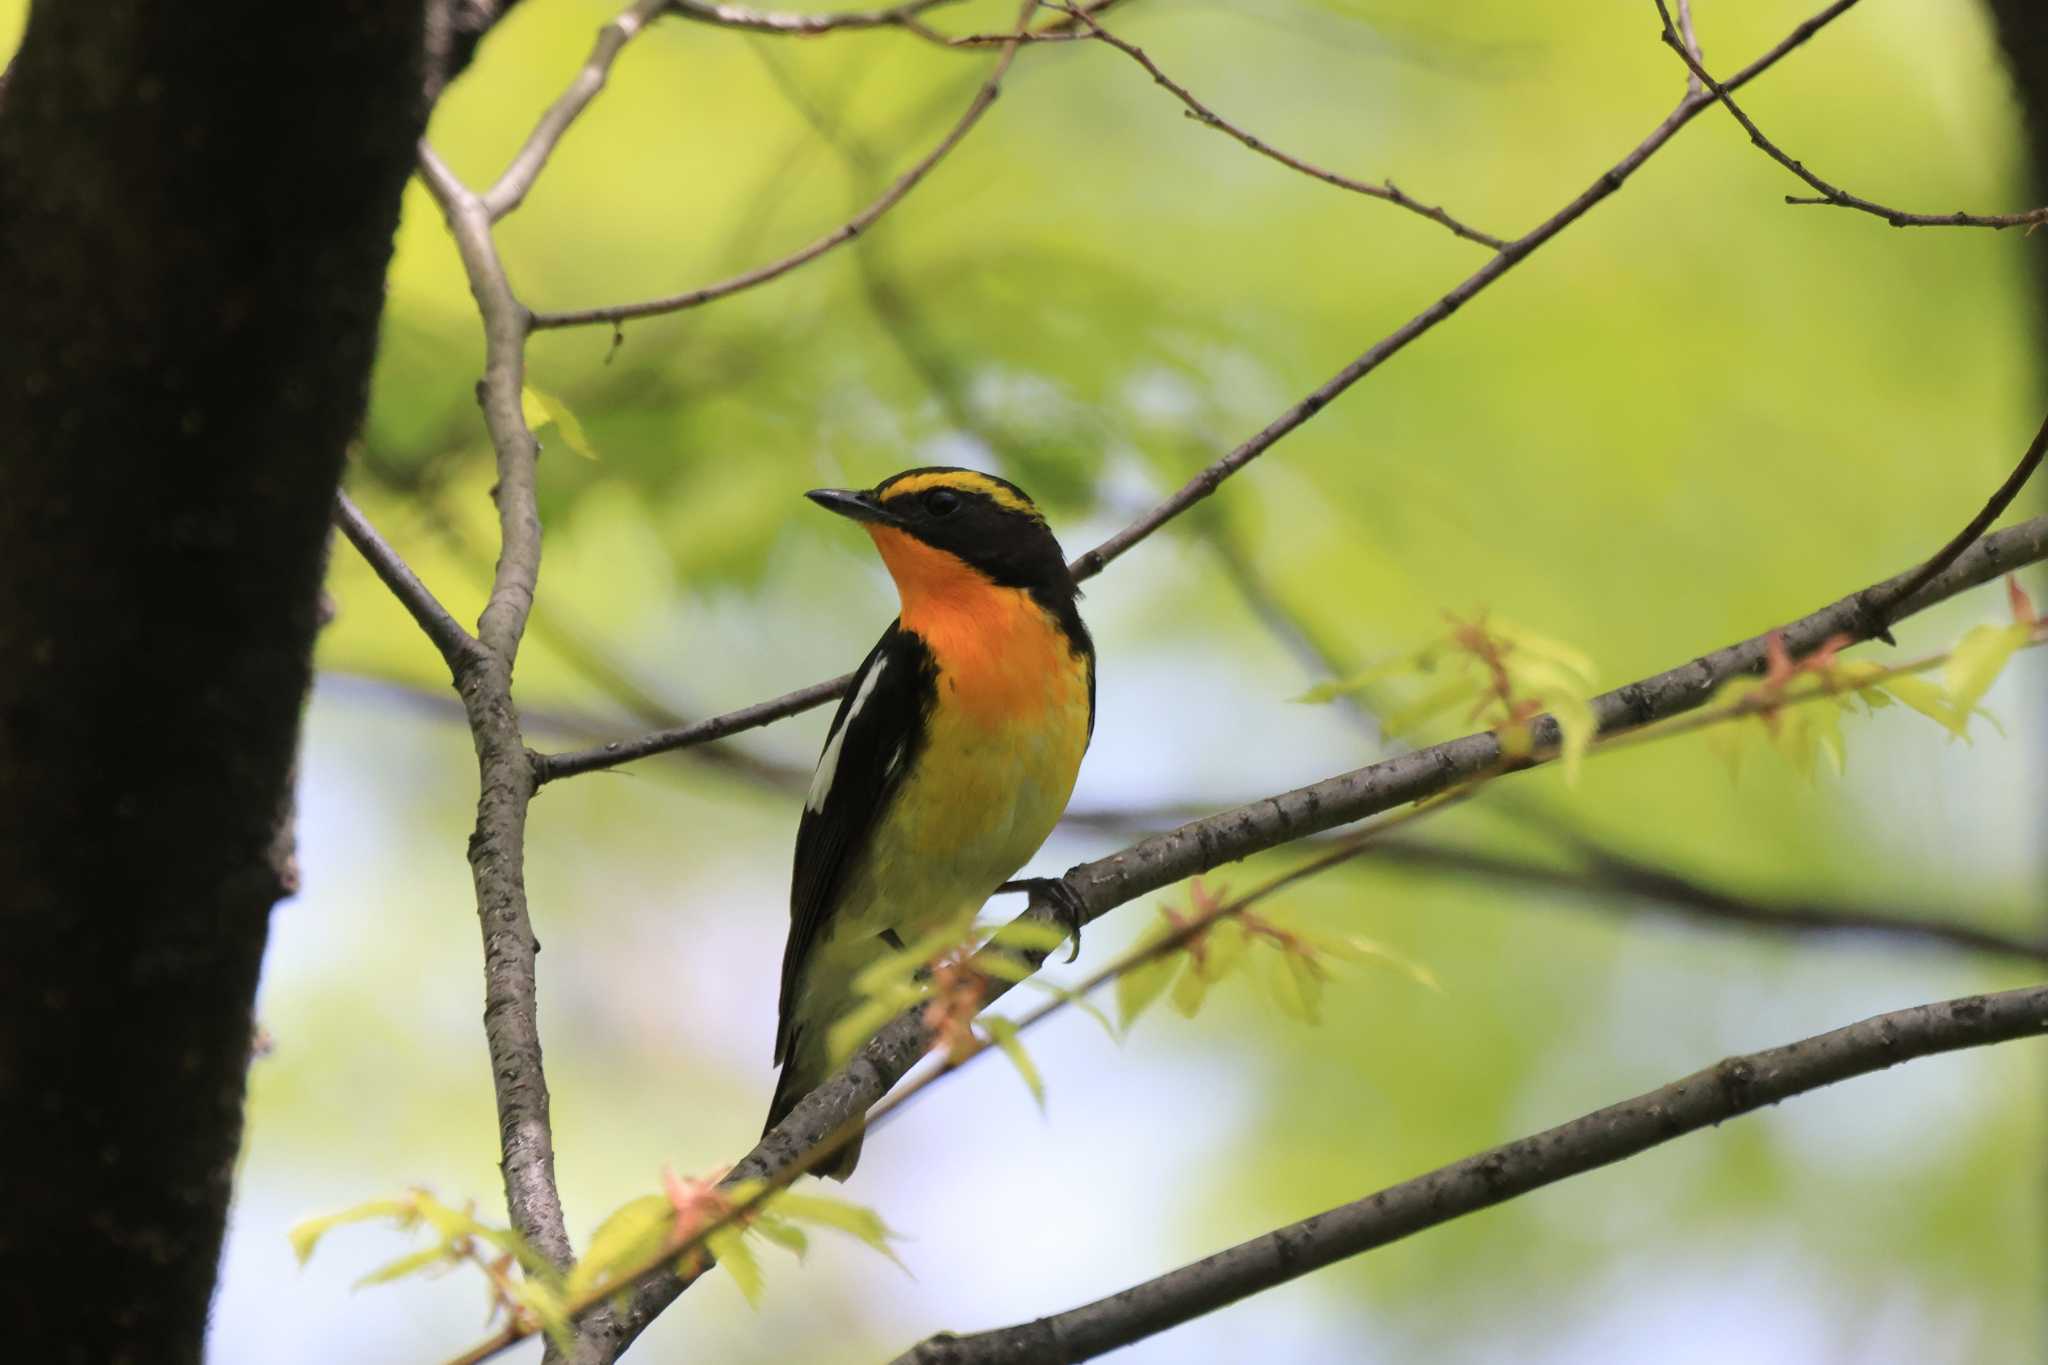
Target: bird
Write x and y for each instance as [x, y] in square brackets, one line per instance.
[950, 758]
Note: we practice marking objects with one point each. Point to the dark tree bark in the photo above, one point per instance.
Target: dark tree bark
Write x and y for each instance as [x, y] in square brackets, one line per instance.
[196, 212]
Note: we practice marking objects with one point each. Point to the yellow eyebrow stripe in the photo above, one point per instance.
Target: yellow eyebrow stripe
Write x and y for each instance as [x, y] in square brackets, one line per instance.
[964, 481]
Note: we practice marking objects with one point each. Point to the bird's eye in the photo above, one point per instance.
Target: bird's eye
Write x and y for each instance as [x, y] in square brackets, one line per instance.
[941, 501]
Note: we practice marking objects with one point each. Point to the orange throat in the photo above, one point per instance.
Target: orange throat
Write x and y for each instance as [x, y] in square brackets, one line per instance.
[1001, 658]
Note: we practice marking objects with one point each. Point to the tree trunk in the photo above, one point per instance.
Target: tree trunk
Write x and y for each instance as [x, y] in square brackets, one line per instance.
[196, 212]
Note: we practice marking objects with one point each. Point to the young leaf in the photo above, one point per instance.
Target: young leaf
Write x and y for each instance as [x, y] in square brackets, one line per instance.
[1977, 661]
[1076, 999]
[1366, 677]
[729, 1245]
[307, 1232]
[1029, 935]
[784, 1234]
[544, 409]
[1003, 1034]
[410, 1264]
[863, 1224]
[1143, 984]
[632, 1235]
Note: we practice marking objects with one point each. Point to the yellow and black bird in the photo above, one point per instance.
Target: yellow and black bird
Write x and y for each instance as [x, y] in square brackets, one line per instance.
[952, 755]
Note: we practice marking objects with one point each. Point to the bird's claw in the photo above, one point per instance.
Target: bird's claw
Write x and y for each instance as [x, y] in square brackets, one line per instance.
[1068, 909]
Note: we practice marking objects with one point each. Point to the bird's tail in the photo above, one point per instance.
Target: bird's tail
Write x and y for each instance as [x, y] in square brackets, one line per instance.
[802, 1072]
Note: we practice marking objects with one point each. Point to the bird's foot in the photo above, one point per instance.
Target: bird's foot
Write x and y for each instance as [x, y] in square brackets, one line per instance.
[1068, 909]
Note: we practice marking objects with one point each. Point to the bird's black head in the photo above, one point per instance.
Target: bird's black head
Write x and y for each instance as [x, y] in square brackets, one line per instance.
[985, 522]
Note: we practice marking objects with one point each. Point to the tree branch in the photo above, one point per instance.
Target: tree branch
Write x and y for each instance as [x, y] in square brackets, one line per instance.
[1615, 876]
[469, 222]
[1203, 114]
[458, 647]
[845, 232]
[1830, 193]
[549, 767]
[1201, 845]
[1737, 1086]
[512, 186]
[1209, 479]
[1879, 609]
[806, 25]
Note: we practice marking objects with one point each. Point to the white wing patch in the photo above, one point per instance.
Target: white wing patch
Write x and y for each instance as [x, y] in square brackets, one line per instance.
[828, 762]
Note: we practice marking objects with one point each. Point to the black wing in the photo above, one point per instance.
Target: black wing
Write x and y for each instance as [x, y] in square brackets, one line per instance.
[873, 742]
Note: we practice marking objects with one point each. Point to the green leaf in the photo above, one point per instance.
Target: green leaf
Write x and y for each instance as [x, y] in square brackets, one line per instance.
[863, 1224]
[1366, 677]
[1029, 935]
[632, 1235]
[548, 1305]
[412, 1264]
[1352, 948]
[1403, 720]
[1138, 988]
[850, 1032]
[1977, 661]
[1003, 967]
[544, 409]
[1003, 1034]
[729, 1245]
[784, 1234]
[307, 1232]
[1074, 998]
[1189, 989]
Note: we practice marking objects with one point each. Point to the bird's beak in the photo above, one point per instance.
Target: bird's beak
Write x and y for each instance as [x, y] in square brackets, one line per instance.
[859, 505]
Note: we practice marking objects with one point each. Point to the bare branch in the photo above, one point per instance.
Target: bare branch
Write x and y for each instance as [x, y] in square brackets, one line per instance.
[512, 186]
[457, 645]
[806, 25]
[1203, 114]
[1879, 609]
[1729, 1089]
[1828, 193]
[845, 232]
[497, 846]
[499, 392]
[1204, 844]
[548, 767]
[1209, 479]
[908, 17]
[1614, 876]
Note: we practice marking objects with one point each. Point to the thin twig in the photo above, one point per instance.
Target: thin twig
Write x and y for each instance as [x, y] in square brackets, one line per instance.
[458, 647]
[1692, 43]
[1203, 114]
[1729, 1089]
[549, 767]
[1209, 479]
[1880, 609]
[1202, 845]
[804, 25]
[1828, 193]
[1615, 876]
[499, 395]
[860, 1124]
[1603, 871]
[845, 232]
[518, 177]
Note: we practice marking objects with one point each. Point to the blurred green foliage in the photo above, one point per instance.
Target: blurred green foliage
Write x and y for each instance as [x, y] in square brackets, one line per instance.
[1697, 413]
